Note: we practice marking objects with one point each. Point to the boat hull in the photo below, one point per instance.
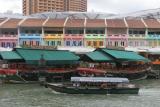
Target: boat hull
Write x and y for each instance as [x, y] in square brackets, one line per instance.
[73, 90]
[130, 76]
[136, 75]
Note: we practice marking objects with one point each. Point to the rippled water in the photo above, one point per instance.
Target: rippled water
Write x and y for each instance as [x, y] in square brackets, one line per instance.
[38, 96]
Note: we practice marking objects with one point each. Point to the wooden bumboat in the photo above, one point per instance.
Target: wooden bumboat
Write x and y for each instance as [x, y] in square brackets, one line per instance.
[96, 85]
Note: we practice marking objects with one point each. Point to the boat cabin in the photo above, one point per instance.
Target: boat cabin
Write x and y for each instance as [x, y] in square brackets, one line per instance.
[100, 82]
[96, 85]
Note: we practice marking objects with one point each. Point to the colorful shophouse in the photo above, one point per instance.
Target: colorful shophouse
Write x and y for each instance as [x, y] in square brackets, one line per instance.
[95, 33]
[136, 33]
[153, 32]
[9, 33]
[53, 32]
[31, 32]
[116, 33]
[74, 32]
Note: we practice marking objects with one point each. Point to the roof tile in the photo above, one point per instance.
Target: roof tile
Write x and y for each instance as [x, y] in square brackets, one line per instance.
[116, 23]
[55, 23]
[11, 23]
[33, 23]
[152, 23]
[135, 23]
[95, 23]
[75, 23]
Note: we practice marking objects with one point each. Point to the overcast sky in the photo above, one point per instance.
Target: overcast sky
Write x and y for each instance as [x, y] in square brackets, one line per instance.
[109, 6]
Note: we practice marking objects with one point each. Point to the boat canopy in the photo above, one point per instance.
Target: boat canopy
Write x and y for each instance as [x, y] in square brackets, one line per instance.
[10, 55]
[125, 55]
[98, 56]
[50, 57]
[99, 79]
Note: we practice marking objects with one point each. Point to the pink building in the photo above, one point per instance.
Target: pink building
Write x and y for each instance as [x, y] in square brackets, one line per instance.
[116, 33]
[74, 32]
[9, 33]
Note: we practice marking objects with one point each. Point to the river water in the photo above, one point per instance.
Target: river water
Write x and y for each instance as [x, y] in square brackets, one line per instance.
[34, 95]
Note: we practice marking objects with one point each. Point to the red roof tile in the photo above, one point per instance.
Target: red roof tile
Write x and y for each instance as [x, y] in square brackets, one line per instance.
[95, 23]
[33, 23]
[55, 23]
[135, 23]
[152, 23]
[116, 23]
[11, 23]
[75, 23]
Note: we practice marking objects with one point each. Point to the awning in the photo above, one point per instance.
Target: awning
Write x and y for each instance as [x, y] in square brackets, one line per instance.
[35, 55]
[10, 55]
[125, 55]
[98, 56]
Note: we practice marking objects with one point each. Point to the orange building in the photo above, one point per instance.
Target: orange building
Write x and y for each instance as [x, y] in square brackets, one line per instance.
[39, 6]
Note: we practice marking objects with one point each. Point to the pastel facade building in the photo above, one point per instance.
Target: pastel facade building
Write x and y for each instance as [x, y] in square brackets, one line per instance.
[31, 32]
[53, 32]
[74, 32]
[153, 32]
[136, 33]
[9, 33]
[116, 33]
[97, 33]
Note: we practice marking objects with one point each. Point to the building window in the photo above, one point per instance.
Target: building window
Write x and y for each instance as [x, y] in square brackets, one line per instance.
[52, 43]
[101, 32]
[67, 43]
[26, 32]
[94, 35]
[33, 32]
[31, 43]
[37, 43]
[24, 43]
[12, 33]
[122, 43]
[6, 33]
[8, 44]
[142, 32]
[94, 43]
[89, 43]
[3, 44]
[81, 32]
[79, 43]
[130, 32]
[14, 44]
[39, 32]
[136, 43]
[110, 43]
[116, 43]
[101, 43]
[74, 43]
[47, 43]
[58, 43]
